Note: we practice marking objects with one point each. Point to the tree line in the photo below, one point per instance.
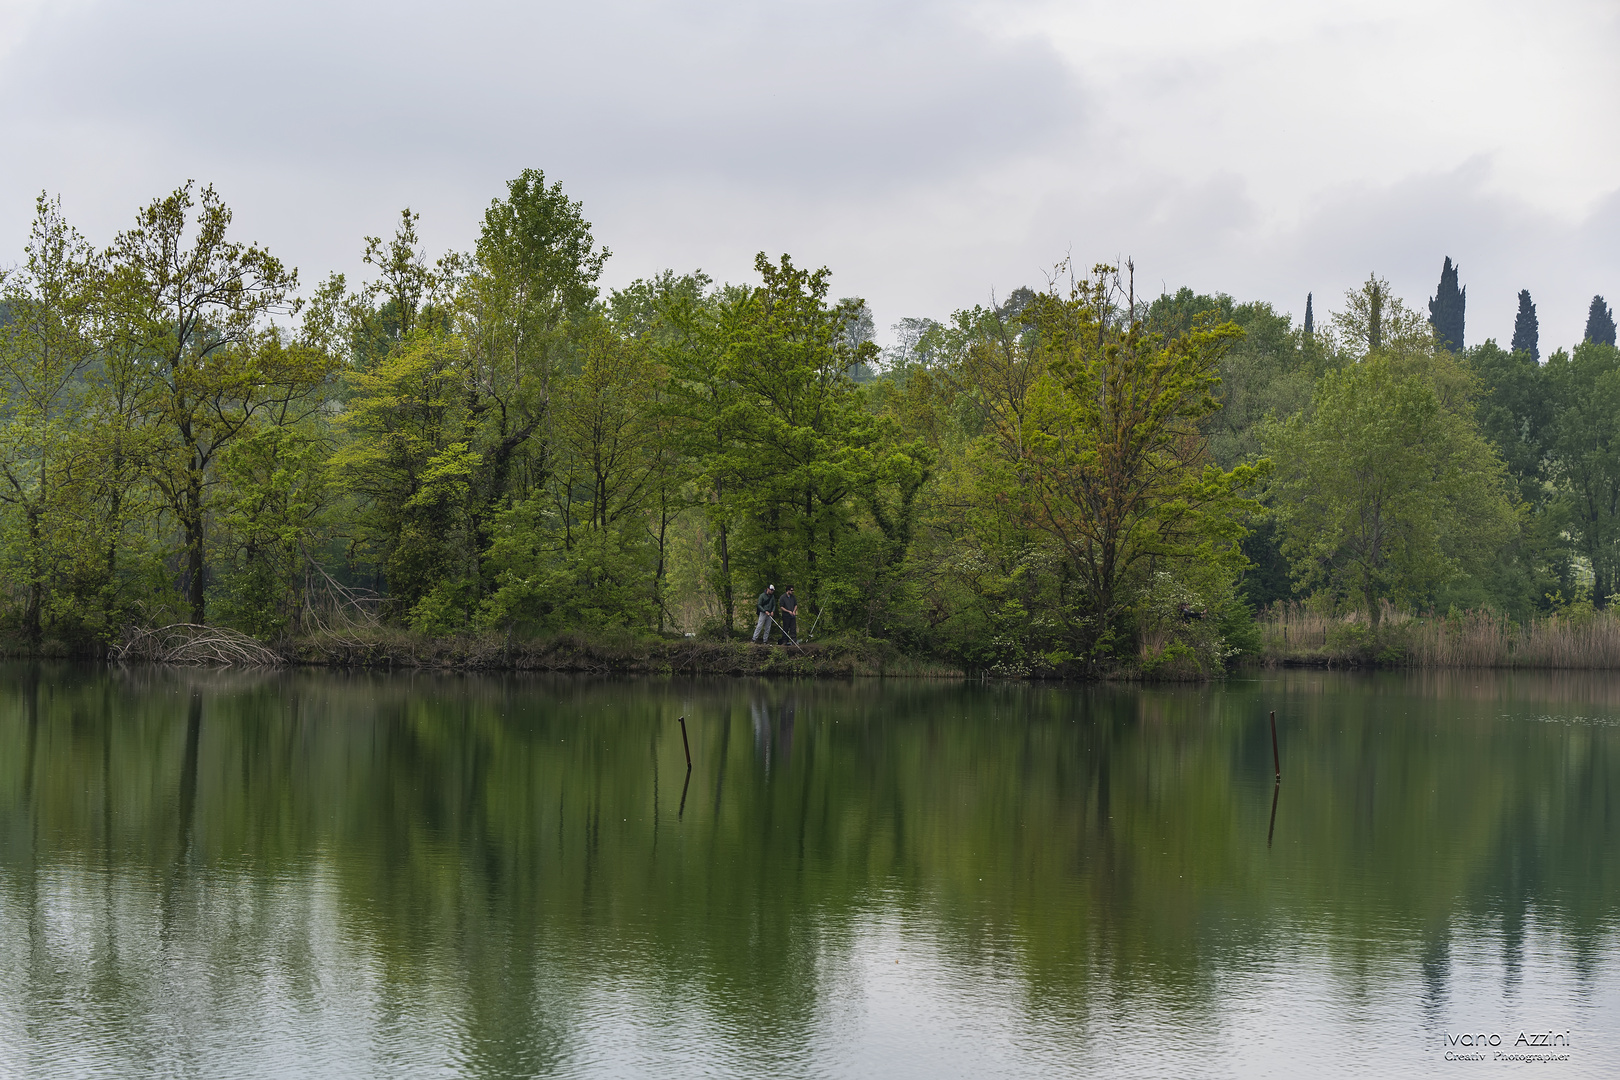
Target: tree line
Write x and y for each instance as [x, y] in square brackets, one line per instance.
[1063, 481]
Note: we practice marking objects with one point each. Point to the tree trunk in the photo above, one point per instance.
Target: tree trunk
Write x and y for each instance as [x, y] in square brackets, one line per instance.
[110, 591]
[725, 583]
[810, 582]
[658, 573]
[193, 523]
[36, 579]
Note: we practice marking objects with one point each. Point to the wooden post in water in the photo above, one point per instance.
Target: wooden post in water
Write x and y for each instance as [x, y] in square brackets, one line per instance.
[1276, 759]
[1276, 790]
[688, 746]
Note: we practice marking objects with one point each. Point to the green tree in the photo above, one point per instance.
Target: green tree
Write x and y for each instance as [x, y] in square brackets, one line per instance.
[800, 443]
[408, 457]
[1526, 332]
[47, 351]
[1374, 318]
[1112, 464]
[1599, 323]
[1584, 455]
[1383, 491]
[992, 592]
[47, 357]
[1447, 307]
[534, 272]
[1515, 413]
[580, 553]
[701, 398]
[645, 311]
[450, 396]
[192, 304]
[276, 499]
[1267, 370]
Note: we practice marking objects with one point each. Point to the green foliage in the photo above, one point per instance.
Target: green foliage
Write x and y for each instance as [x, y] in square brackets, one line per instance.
[1446, 309]
[1268, 370]
[191, 304]
[1526, 329]
[277, 495]
[1382, 490]
[47, 352]
[1584, 453]
[1599, 323]
[1061, 483]
[1110, 463]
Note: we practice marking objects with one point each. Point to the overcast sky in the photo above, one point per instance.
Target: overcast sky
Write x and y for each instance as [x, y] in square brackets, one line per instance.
[929, 153]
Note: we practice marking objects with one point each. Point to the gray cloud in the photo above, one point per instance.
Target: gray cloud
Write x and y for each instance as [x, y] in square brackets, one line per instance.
[929, 153]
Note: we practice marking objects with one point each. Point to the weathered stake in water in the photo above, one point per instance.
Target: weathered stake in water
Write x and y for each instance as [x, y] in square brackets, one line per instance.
[1271, 830]
[1276, 789]
[1276, 759]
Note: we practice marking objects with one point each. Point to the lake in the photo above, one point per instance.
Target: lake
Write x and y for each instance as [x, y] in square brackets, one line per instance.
[295, 873]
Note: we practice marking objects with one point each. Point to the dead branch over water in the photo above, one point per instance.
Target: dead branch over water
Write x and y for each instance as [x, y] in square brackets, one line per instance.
[194, 644]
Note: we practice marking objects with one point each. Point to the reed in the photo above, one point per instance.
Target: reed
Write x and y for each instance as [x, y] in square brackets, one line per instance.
[1297, 633]
[1293, 633]
[1486, 639]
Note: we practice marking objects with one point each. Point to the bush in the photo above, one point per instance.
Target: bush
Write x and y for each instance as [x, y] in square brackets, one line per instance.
[713, 628]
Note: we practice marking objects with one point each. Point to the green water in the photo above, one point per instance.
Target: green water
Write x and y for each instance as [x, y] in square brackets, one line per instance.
[208, 874]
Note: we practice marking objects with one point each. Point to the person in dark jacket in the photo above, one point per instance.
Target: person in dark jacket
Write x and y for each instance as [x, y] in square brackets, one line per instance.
[765, 607]
[787, 612]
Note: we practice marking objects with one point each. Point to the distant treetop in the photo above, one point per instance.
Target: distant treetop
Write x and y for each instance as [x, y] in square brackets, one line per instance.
[1600, 322]
[1526, 331]
[1446, 309]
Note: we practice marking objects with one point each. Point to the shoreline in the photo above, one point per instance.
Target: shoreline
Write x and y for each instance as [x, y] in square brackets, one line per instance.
[579, 654]
[1479, 641]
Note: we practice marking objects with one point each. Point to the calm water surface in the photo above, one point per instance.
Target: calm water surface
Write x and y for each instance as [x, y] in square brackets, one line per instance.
[206, 874]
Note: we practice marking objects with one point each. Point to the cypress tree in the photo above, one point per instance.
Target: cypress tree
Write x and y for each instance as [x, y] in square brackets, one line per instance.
[1600, 322]
[1310, 320]
[1526, 331]
[1446, 309]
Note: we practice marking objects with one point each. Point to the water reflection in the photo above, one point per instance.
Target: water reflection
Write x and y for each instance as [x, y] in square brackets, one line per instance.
[270, 874]
[773, 727]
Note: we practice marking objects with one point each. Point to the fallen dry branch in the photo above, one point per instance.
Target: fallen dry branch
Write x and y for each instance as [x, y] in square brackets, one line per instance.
[189, 643]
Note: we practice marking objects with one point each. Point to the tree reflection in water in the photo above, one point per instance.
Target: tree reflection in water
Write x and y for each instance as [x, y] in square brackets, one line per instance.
[497, 875]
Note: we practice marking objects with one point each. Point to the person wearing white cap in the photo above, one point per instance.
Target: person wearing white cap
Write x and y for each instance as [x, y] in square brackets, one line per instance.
[765, 608]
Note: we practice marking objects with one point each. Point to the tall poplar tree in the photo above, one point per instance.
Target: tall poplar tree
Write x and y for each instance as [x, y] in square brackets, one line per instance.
[1446, 309]
[1310, 317]
[1526, 331]
[1599, 323]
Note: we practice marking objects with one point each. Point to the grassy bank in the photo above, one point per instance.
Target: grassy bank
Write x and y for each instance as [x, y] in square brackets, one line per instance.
[1290, 635]
[617, 655]
[380, 647]
[1294, 635]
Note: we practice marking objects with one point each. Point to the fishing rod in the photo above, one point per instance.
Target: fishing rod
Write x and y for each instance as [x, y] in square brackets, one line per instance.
[786, 635]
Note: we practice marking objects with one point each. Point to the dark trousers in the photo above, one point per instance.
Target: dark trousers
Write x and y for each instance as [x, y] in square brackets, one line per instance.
[790, 627]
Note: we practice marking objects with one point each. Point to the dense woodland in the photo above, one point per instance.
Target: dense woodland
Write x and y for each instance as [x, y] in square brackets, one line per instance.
[1070, 480]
